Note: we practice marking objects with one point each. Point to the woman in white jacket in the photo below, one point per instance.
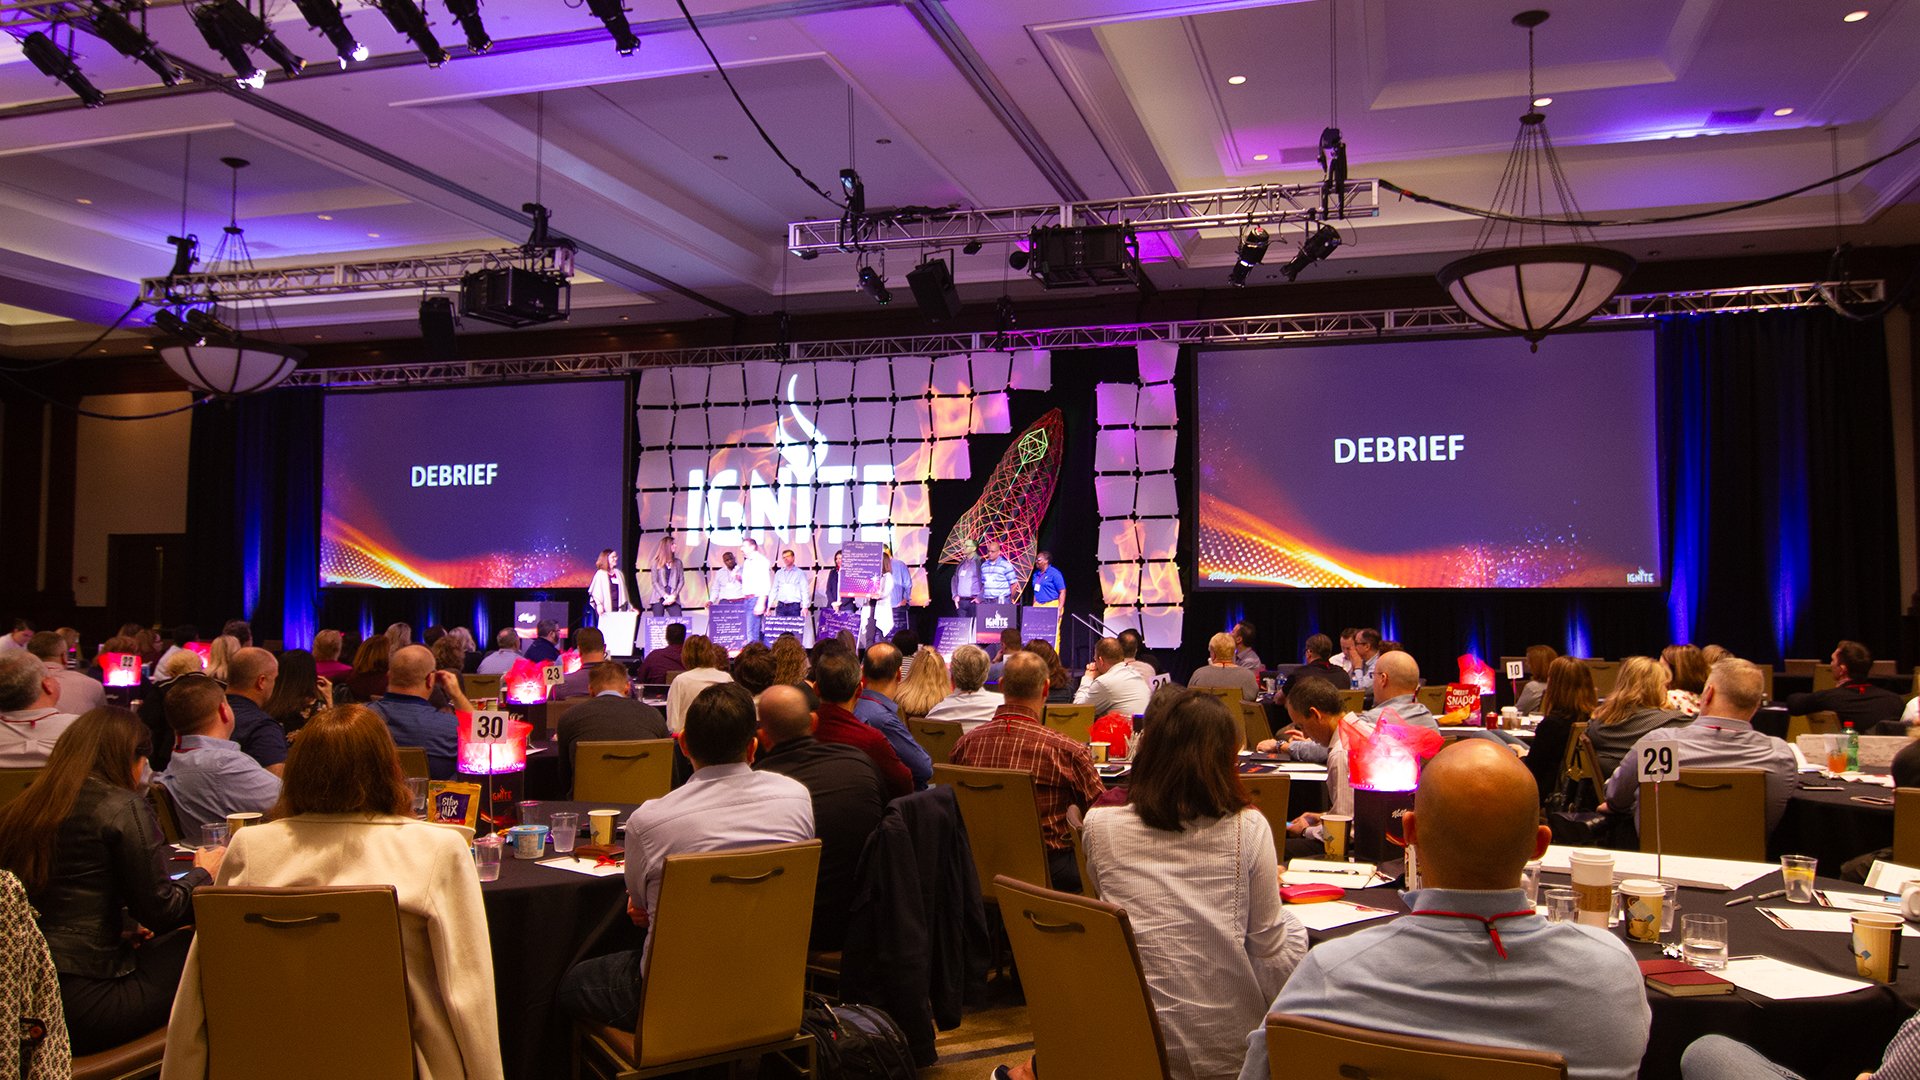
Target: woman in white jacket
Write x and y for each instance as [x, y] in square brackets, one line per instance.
[345, 818]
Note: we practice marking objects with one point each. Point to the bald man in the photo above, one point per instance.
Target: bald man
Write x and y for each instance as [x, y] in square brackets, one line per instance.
[1472, 961]
[250, 678]
[414, 720]
[1395, 677]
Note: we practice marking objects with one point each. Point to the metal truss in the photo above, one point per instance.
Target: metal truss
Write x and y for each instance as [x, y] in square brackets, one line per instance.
[1262, 204]
[1250, 330]
[423, 272]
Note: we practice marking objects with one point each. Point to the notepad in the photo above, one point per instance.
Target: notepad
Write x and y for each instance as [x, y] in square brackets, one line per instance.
[1690, 870]
[1782, 981]
[1820, 920]
[1357, 875]
[589, 867]
[1335, 913]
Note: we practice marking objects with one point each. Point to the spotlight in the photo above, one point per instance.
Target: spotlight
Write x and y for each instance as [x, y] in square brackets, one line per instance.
[185, 250]
[325, 16]
[971, 247]
[170, 323]
[934, 290]
[808, 256]
[875, 286]
[1318, 246]
[467, 14]
[113, 28]
[1253, 248]
[207, 326]
[1018, 258]
[222, 37]
[614, 15]
[856, 192]
[407, 18]
[243, 26]
[56, 64]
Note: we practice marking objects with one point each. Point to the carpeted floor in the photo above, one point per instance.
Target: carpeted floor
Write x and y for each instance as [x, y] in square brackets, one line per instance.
[988, 1037]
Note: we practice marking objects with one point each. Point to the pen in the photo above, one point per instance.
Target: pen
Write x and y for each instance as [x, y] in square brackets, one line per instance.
[1762, 896]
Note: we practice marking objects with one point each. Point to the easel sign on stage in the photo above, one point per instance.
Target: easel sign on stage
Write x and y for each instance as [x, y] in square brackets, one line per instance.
[951, 633]
[991, 619]
[1042, 623]
[860, 568]
[833, 620]
[728, 624]
[621, 628]
[772, 626]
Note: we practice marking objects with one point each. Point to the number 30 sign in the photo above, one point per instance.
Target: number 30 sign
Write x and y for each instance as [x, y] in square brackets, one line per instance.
[489, 727]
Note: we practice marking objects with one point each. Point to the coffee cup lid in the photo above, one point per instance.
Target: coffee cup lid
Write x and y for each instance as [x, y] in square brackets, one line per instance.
[1642, 887]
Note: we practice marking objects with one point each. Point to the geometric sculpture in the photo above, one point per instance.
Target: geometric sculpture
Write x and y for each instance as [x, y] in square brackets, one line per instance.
[1015, 501]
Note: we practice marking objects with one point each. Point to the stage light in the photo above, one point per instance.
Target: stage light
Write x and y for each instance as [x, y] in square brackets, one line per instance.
[1320, 245]
[875, 286]
[326, 17]
[129, 41]
[54, 63]
[408, 19]
[971, 247]
[185, 250]
[1018, 258]
[207, 326]
[239, 25]
[614, 15]
[1253, 248]
[170, 323]
[222, 39]
[467, 14]
[855, 190]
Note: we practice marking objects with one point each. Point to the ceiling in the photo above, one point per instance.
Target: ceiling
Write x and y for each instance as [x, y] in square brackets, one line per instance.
[1659, 106]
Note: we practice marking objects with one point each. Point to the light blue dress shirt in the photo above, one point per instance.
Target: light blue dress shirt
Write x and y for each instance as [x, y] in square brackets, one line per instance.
[209, 778]
[999, 579]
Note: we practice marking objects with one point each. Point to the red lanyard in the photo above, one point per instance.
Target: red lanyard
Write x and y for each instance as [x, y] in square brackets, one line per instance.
[1487, 920]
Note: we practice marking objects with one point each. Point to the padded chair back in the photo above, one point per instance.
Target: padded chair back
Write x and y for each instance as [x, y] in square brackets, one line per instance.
[1002, 820]
[1574, 735]
[1605, 674]
[1585, 768]
[1270, 792]
[480, 686]
[165, 813]
[337, 947]
[1883, 669]
[1906, 826]
[729, 957]
[1352, 701]
[1822, 678]
[1228, 695]
[1254, 715]
[1433, 697]
[413, 761]
[936, 737]
[1077, 832]
[1714, 813]
[622, 770]
[1073, 721]
[1299, 1048]
[15, 782]
[136, 1060]
[1086, 997]
[1815, 723]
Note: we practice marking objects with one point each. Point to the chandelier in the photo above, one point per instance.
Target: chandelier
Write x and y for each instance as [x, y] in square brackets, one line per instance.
[212, 347]
[1516, 280]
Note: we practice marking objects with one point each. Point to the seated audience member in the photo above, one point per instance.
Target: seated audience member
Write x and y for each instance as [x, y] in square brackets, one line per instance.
[753, 668]
[251, 676]
[923, 685]
[1133, 655]
[83, 841]
[209, 776]
[1540, 660]
[1722, 738]
[848, 799]
[908, 643]
[659, 667]
[875, 707]
[1110, 686]
[1472, 961]
[345, 818]
[970, 703]
[1713, 654]
[412, 719]
[177, 641]
[299, 690]
[706, 666]
[1315, 711]
[1222, 672]
[1395, 676]
[1637, 705]
[432, 636]
[449, 654]
[1570, 699]
[836, 679]
[593, 650]
[1906, 773]
[369, 678]
[506, 649]
[1367, 648]
[469, 650]
[1716, 1057]
[1853, 699]
[17, 636]
[77, 692]
[726, 805]
[399, 636]
[1060, 685]
[220, 654]
[1063, 773]
[1687, 677]
[790, 663]
[153, 706]
[326, 656]
[30, 722]
[1193, 863]
[609, 715]
[1243, 653]
[1009, 644]
[1317, 663]
[239, 630]
[545, 646]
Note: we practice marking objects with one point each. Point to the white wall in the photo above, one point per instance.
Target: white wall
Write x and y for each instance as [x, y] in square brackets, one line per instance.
[132, 478]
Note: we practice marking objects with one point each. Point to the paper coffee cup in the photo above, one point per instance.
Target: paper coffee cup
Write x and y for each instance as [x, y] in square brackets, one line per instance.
[1910, 899]
[1876, 945]
[1593, 884]
[1099, 751]
[237, 821]
[1643, 901]
[1338, 827]
[601, 823]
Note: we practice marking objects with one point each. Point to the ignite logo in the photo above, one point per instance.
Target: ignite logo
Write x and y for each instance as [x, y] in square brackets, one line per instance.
[998, 622]
[1641, 576]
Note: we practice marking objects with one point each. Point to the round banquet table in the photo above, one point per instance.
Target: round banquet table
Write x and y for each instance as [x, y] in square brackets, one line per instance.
[1834, 826]
[1831, 1038]
[538, 920]
[1304, 794]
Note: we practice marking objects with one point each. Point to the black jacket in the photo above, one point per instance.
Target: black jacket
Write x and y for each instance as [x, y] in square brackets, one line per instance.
[110, 863]
[605, 719]
[849, 798]
[1860, 702]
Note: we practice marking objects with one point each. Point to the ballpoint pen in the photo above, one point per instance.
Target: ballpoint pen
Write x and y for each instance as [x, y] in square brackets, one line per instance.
[1762, 896]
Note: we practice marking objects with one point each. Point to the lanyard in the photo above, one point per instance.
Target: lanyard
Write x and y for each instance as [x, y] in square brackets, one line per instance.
[1486, 920]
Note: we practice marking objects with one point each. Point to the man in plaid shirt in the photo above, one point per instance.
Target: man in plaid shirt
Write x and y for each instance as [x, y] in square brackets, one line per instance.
[1063, 773]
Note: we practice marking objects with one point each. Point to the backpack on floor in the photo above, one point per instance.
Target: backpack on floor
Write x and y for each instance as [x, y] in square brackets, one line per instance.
[856, 1042]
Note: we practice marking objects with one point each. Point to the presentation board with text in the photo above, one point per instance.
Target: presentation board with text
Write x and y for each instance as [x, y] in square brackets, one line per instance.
[485, 487]
[1431, 464]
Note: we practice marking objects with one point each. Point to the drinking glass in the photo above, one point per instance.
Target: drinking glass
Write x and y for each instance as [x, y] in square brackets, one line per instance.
[1669, 906]
[486, 856]
[215, 835]
[1703, 941]
[417, 788]
[1563, 905]
[1796, 872]
[530, 813]
[566, 828]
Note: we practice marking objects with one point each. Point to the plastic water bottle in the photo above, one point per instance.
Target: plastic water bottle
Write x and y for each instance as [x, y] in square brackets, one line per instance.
[1853, 748]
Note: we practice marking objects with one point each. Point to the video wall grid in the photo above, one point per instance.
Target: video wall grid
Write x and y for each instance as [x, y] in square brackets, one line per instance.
[1136, 494]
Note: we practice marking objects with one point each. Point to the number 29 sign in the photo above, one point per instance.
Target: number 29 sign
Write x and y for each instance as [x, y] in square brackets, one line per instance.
[1659, 762]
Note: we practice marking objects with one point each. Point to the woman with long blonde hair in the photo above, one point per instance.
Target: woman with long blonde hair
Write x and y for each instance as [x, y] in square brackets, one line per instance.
[925, 685]
[1637, 705]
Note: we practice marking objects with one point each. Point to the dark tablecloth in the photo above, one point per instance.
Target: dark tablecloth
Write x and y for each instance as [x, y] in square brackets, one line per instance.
[1834, 1038]
[538, 920]
[1834, 826]
[543, 770]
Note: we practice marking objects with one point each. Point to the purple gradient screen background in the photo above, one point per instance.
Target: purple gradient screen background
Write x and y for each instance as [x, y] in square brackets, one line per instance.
[1557, 485]
[554, 502]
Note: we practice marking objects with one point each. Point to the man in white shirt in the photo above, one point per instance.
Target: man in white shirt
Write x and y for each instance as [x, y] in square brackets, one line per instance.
[30, 722]
[725, 581]
[506, 649]
[1345, 660]
[17, 637]
[969, 703]
[78, 691]
[1110, 686]
[725, 805]
[1316, 712]
[790, 586]
[1130, 642]
[756, 584]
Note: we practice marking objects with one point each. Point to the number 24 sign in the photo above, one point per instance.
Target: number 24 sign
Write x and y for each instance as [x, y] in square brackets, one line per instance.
[1659, 762]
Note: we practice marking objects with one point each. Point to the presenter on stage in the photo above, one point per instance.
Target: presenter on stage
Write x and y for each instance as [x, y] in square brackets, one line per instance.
[1049, 588]
[606, 592]
[900, 593]
[967, 589]
[883, 610]
[725, 584]
[830, 594]
[790, 586]
[669, 577]
[756, 580]
[999, 581]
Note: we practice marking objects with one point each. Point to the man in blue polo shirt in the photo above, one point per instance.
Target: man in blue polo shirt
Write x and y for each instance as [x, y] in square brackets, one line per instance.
[209, 776]
[879, 680]
[1049, 587]
[999, 580]
[412, 719]
[250, 678]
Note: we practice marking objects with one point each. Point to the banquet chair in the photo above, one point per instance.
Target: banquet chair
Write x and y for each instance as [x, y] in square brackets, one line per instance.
[1076, 831]
[1815, 723]
[136, 1060]
[1254, 715]
[413, 762]
[1002, 821]
[622, 770]
[724, 983]
[1823, 678]
[1605, 674]
[1352, 701]
[1073, 721]
[1087, 999]
[1766, 684]
[1574, 735]
[480, 686]
[1585, 768]
[1712, 813]
[1302, 1048]
[1906, 826]
[1434, 697]
[1229, 696]
[1270, 793]
[1801, 669]
[936, 737]
[1883, 669]
[165, 812]
[15, 782]
[339, 947]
